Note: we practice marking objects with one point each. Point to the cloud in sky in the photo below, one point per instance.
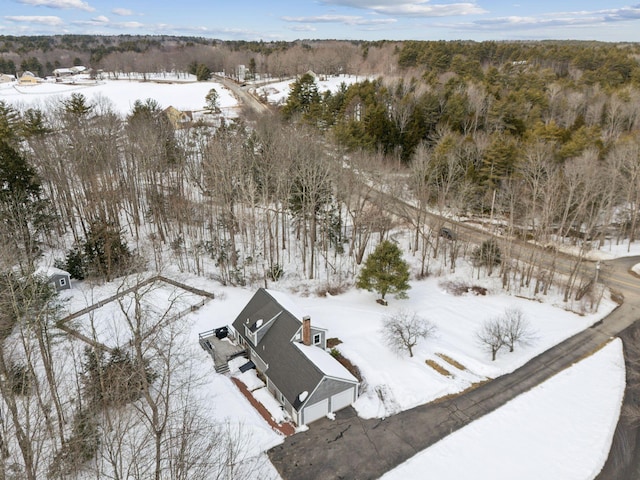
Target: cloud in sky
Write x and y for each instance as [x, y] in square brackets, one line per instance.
[102, 21]
[557, 19]
[415, 8]
[303, 28]
[65, 4]
[122, 12]
[51, 21]
[344, 19]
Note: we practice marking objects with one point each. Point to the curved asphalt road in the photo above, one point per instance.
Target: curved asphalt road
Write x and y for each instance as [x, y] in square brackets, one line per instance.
[244, 96]
[352, 448]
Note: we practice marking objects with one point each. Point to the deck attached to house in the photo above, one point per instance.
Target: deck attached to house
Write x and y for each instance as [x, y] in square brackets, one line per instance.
[221, 349]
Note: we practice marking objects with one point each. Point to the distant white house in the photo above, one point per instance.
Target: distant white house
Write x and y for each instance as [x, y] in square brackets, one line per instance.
[59, 279]
[63, 73]
[241, 72]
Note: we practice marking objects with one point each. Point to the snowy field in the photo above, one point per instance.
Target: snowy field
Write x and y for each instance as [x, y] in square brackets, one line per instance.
[561, 429]
[278, 92]
[122, 94]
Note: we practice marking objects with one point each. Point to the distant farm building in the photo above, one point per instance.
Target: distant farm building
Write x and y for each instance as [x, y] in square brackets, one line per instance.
[28, 78]
[178, 118]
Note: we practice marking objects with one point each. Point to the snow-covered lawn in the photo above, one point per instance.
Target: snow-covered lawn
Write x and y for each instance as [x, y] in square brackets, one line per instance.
[561, 429]
[122, 94]
[278, 92]
[405, 382]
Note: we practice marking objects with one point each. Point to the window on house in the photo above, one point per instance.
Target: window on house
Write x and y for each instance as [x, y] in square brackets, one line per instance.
[63, 282]
[316, 339]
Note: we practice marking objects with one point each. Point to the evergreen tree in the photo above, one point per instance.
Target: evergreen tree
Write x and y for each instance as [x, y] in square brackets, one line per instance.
[24, 212]
[9, 120]
[34, 123]
[304, 98]
[105, 251]
[212, 100]
[385, 271]
[77, 106]
[202, 72]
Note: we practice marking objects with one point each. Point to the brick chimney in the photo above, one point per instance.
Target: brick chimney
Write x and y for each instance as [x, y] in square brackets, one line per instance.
[306, 330]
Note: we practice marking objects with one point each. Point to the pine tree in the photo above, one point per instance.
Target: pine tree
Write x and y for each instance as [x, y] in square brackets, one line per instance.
[303, 99]
[212, 100]
[24, 212]
[385, 271]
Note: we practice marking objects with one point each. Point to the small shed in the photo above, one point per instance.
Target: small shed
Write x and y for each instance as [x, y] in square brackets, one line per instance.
[59, 279]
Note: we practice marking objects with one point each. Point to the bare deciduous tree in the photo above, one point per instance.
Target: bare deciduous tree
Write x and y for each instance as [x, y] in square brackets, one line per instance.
[491, 336]
[516, 328]
[508, 330]
[403, 330]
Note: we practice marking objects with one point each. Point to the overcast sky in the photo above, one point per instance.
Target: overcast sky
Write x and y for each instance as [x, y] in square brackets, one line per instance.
[610, 20]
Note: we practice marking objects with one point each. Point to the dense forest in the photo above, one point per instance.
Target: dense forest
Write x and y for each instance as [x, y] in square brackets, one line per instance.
[537, 139]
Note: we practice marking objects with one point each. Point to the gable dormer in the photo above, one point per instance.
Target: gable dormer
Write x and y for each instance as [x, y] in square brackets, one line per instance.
[257, 330]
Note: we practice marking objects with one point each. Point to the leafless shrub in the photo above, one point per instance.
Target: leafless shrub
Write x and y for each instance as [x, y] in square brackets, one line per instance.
[403, 330]
[509, 330]
[491, 336]
[332, 289]
[458, 288]
[516, 328]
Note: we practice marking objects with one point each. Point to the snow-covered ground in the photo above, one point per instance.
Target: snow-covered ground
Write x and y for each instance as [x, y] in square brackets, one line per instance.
[561, 429]
[405, 382]
[215, 393]
[278, 92]
[122, 94]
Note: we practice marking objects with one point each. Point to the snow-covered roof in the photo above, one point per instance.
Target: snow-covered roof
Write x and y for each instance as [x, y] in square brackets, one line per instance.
[285, 301]
[50, 272]
[325, 362]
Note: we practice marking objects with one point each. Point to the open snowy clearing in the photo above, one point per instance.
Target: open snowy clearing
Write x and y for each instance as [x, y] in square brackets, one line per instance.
[396, 382]
[122, 94]
[561, 429]
[278, 92]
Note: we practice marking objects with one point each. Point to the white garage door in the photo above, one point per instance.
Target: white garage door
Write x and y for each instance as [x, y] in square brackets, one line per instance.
[341, 400]
[315, 411]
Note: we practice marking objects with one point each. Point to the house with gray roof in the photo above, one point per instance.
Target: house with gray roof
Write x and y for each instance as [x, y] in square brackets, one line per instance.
[57, 278]
[292, 356]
